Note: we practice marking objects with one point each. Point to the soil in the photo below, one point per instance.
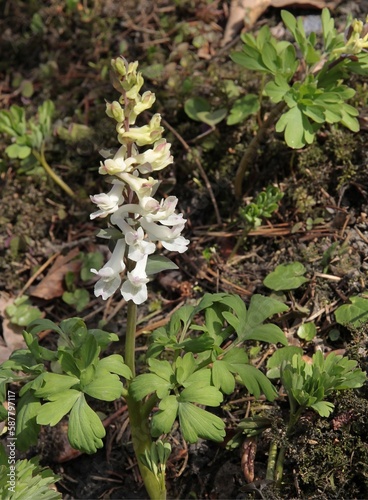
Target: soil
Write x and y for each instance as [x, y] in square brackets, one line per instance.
[64, 49]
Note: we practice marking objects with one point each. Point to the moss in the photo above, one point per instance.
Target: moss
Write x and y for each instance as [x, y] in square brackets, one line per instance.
[331, 456]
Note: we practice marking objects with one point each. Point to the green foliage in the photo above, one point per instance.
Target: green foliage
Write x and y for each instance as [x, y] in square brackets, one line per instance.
[199, 109]
[307, 331]
[202, 370]
[242, 108]
[309, 384]
[156, 457]
[355, 313]
[31, 481]
[158, 263]
[77, 371]
[315, 97]
[278, 357]
[286, 277]
[28, 135]
[21, 312]
[262, 208]
[77, 297]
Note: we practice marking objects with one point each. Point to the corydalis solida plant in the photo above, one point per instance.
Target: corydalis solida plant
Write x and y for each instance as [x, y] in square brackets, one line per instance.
[138, 224]
[140, 221]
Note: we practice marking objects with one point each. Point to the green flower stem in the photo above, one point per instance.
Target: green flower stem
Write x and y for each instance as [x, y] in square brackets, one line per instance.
[141, 438]
[130, 336]
[138, 416]
[271, 462]
[40, 156]
[279, 467]
[240, 241]
[251, 151]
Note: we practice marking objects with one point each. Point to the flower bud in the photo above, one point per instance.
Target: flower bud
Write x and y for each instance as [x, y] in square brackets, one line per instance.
[120, 65]
[114, 110]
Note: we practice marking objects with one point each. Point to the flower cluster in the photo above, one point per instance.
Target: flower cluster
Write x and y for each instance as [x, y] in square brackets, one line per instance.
[140, 221]
[356, 38]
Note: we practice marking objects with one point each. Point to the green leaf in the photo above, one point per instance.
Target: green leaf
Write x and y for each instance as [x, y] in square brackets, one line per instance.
[212, 117]
[260, 308]
[252, 59]
[85, 431]
[269, 333]
[242, 108]
[185, 366]
[27, 88]
[355, 313]
[61, 403]
[87, 353]
[53, 383]
[18, 151]
[289, 21]
[103, 338]
[32, 482]
[92, 260]
[278, 357]
[197, 423]
[323, 408]
[6, 126]
[277, 89]
[158, 263]
[286, 277]
[27, 428]
[292, 124]
[164, 418]
[269, 58]
[115, 364]
[196, 105]
[145, 384]
[40, 325]
[307, 331]
[204, 395]
[105, 386]
[222, 377]
[74, 329]
[256, 382]
[79, 298]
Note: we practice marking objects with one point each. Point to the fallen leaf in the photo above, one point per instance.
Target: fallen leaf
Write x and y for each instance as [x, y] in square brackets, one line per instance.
[244, 13]
[52, 285]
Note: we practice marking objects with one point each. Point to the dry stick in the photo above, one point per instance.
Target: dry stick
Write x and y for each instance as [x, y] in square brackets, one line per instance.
[251, 151]
[200, 168]
[37, 273]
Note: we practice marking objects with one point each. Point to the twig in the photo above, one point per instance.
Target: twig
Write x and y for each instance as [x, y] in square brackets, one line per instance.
[37, 273]
[200, 168]
[251, 151]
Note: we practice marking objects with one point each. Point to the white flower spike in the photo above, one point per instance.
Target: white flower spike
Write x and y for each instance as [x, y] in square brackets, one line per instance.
[142, 221]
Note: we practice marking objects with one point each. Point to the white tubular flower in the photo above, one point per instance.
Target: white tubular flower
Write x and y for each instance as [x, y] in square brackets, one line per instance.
[108, 203]
[119, 164]
[140, 221]
[142, 187]
[109, 274]
[155, 211]
[155, 159]
[135, 287]
[143, 102]
[138, 247]
[169, 237]
[142, 136]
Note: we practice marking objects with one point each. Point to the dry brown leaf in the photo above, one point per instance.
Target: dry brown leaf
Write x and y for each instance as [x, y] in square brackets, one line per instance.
[246, 12]
[52, 285]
